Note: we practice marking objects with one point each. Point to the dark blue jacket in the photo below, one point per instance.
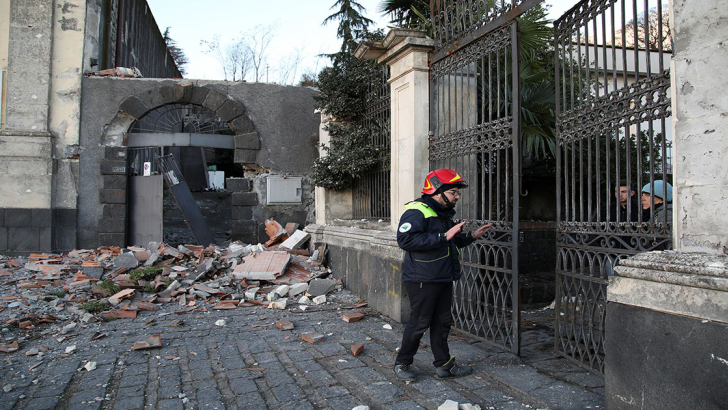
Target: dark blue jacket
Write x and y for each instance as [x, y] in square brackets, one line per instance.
[429, 256]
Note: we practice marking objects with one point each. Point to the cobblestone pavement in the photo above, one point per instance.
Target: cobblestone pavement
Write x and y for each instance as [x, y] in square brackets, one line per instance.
[251, 363]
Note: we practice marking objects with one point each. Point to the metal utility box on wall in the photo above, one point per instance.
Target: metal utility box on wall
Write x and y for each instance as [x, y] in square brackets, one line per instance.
[283, 190]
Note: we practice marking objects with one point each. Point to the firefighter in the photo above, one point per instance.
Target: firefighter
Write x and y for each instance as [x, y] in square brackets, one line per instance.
[431, 241]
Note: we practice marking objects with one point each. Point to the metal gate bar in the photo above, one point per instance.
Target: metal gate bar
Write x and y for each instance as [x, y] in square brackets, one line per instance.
[476, 128]
[613, 128]
[371, 190]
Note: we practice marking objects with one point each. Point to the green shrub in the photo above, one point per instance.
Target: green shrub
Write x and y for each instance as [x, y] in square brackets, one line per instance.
[96, 306]
[147, 274]
[108, 286]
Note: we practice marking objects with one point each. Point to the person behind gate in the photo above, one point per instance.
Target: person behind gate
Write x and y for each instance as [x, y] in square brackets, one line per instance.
[431, 241]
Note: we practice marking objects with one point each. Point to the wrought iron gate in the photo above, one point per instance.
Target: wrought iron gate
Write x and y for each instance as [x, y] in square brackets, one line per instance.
[371, 191]
[613, 129]
[475, 129]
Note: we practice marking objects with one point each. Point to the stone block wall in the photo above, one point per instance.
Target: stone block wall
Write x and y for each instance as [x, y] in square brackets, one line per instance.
[369, 263]
[112, 197]
[244, 228]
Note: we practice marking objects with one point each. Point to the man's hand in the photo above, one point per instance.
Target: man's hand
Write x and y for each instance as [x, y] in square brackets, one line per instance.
[480, 231]
[454, 230]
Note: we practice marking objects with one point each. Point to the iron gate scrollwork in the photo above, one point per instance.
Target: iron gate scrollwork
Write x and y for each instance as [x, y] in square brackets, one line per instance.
[613, 109]
[475, 130]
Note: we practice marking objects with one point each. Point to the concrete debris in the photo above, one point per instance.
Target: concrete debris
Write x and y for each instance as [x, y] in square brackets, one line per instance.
[318, 287]
[448, 405]
[278, 304]
[125, 72]
[90, 366]
[61, 294]
[296, 240]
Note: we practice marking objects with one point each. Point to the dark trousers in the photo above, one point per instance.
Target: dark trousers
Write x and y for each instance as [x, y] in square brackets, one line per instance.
[430, 308]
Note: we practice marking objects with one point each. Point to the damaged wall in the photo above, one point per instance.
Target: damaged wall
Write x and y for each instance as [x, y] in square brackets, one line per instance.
[65, 116]
[25, 143]
[276, 133]
[43, 46]
[700, 125]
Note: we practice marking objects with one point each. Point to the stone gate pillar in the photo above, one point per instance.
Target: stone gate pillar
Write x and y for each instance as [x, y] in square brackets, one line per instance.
[405, 52]
[667, 312]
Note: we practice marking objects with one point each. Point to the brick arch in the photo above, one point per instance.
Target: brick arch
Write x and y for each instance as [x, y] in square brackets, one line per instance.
[229, 110]
[113, 193]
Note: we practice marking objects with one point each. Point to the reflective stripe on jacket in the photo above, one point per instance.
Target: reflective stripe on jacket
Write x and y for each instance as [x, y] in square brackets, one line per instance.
[422, 234]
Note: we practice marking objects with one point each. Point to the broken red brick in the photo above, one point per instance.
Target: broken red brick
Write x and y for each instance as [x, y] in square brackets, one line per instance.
[284, 324]
[225, 305]
[291, 227]
[116, 298]
[120, 314]
[275, 232]
[152, 342]
[9, 347]
[146, 306]
[97, 336]
[312, 337]
[357, 349]
[352, 317]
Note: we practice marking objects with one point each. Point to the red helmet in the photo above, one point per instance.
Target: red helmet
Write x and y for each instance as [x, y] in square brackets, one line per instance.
[440, 177]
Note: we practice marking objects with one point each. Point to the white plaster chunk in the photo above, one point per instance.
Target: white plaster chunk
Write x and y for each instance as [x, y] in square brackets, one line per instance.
[251, 293]
[278, 304]
[319, 300]
[448, 405]
[282, 290]
[297, 289]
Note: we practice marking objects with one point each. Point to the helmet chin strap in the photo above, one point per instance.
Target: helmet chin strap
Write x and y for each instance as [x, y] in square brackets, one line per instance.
[448, 204]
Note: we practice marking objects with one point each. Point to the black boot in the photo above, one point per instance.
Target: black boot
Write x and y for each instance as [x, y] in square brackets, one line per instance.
[404, 372]
[452, 369]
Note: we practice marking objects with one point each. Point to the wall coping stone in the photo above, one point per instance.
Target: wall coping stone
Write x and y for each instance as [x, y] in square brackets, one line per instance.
[694, 269]
[383, 243]
[690, 284]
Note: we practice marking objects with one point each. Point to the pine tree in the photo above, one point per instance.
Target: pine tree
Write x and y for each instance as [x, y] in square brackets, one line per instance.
[179, 57]
[352, 24]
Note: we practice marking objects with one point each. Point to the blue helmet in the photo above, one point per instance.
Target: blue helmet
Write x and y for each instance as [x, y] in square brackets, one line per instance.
[661, 189]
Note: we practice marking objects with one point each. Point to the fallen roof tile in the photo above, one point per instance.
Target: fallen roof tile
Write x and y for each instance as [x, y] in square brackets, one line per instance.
[152, 342]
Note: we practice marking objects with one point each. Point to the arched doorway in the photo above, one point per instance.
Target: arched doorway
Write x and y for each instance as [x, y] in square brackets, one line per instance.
[201, 146]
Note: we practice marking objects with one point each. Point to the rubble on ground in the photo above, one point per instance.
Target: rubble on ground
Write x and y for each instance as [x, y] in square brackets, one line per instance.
[56, 293]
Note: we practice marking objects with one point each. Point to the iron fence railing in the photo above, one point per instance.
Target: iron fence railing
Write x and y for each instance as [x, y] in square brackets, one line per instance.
[371, 191]
[613, 129]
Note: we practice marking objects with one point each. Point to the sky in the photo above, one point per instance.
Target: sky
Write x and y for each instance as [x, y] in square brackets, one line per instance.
[297, 27]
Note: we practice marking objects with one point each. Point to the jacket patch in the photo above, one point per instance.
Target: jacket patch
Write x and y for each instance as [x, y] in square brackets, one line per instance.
[405, 227]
